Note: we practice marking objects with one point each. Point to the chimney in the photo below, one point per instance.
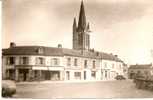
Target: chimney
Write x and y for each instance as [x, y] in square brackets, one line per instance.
[97, 53]
[59, 45]
[12, 44]
[92, 50]
[116, 56]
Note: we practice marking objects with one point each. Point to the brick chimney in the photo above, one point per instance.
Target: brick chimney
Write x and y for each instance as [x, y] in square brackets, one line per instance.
[12, 44]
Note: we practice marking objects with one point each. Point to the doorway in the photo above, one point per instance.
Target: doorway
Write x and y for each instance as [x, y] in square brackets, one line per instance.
[67, 75]
[23, 74]
[132, 75]
[85, 76]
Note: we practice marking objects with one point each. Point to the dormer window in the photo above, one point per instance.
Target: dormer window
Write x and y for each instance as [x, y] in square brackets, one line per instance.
[40, 50]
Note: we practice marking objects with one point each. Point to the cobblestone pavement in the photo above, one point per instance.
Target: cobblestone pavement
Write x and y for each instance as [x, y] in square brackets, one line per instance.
[103, 89]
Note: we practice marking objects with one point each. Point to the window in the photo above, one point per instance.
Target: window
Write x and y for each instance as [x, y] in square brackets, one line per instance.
[40, 61]
[68, 61]
[85, 63]
[55, 61]
[67, 75]
[93, 74]
[105, 74]
[75, 62]
[40, 50]
[94, 64]
[77, 75]
[146, 72]
[120, 66]
[11, 60]
[105, 64]
[24, 60]
[113, 65]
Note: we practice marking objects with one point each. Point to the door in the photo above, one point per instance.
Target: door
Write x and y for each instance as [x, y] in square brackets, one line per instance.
[85, 76]
[23, 73]
[47, 75]
[67, 75]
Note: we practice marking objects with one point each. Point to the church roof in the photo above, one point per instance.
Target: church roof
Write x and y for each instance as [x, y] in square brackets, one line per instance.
[53, 51]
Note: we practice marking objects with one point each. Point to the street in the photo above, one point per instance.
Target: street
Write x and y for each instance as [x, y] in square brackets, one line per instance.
[103, 89]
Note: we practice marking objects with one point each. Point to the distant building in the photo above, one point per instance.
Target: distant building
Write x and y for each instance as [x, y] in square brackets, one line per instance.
[145, 69]
[125, 70]
[25, 63]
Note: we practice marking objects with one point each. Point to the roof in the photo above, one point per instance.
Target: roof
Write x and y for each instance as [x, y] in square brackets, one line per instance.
[53, 51]
[142, 66]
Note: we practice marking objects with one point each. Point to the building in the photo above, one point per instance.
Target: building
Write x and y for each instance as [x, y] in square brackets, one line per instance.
[145, 69]
[26, 63]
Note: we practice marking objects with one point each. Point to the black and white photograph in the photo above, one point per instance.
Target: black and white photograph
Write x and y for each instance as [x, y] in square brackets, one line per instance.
[77, 49]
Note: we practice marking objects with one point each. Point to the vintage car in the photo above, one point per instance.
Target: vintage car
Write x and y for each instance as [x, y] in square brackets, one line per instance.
[120, 77]
[8, 88]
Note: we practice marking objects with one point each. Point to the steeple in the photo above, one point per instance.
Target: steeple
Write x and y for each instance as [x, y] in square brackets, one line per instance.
[74, 24]
[81, 36]
[82, 18]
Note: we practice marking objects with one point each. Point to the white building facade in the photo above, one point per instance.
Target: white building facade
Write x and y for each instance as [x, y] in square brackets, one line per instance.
[27, 63]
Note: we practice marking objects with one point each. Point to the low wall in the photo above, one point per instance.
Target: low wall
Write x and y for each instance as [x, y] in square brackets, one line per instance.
[142, 83]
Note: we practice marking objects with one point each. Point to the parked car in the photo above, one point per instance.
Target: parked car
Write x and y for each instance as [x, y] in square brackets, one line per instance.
[8, 88]
[120, 77]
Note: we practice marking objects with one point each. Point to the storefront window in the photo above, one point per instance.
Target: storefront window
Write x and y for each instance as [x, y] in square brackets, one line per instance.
[77, 75]
[93, 74]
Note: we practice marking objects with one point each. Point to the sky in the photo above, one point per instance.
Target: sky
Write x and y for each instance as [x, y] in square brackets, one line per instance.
[121, 27]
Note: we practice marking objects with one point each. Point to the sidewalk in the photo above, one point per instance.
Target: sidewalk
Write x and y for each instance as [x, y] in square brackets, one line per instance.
[74, 81]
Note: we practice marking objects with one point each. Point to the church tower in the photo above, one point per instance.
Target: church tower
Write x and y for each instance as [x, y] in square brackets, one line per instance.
[81, 37]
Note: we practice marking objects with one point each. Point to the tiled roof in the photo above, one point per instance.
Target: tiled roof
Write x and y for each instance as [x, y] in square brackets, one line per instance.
[52, 51]
[143, 66]
[32, 50]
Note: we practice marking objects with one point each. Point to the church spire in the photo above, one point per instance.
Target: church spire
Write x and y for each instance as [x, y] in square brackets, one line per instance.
[74, 23]
[82, 18]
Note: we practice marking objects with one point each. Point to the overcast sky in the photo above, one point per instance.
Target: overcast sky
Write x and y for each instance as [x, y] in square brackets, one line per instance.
[122, 27]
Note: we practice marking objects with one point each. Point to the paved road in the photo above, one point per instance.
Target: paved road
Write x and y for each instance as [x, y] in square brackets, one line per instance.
[104, 89]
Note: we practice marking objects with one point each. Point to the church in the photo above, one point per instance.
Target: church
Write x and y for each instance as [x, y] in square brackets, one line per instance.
[38, 63]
